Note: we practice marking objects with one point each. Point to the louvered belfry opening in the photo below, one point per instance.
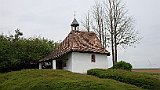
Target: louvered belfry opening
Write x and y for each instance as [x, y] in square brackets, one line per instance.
[75, 25]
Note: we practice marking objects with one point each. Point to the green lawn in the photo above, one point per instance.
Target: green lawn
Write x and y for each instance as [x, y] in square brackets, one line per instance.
[58, 80]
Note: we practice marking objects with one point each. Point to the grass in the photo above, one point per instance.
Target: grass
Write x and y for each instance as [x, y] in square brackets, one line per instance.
[144, 80]
[58, 80]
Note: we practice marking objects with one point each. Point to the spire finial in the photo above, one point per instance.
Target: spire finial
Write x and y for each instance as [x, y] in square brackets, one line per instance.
[74, 14]
[75, 24]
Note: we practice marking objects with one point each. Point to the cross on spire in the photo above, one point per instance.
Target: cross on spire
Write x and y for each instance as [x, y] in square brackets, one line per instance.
[75, 24]
[74, 14]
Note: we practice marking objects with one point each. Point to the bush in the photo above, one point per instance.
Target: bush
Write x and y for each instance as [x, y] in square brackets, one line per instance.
[122, 65]
[143, 80]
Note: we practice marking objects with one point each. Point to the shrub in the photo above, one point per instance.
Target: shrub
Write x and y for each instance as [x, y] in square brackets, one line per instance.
[142, 80]
[122, 65]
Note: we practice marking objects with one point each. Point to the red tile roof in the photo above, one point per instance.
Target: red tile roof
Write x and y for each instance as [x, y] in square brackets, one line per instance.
[78, 41]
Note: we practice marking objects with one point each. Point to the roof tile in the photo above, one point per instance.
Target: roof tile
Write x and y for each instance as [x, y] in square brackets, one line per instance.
[79, 41]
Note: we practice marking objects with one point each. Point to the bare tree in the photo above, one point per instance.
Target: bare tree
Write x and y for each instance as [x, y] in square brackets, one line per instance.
[120, 26]
[95, 20]
[86, 23]
[113, 26]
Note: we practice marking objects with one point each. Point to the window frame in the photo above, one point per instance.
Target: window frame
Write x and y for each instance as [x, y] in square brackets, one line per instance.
[93, 58]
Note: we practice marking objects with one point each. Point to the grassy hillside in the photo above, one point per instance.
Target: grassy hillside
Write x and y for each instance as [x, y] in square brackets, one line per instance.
[57, 80]
[144, 80]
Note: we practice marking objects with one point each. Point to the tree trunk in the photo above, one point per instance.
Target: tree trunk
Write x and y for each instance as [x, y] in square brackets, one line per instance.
[112, 46]
[115, 49]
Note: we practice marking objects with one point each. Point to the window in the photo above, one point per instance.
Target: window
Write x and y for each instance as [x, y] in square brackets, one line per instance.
[93, 58]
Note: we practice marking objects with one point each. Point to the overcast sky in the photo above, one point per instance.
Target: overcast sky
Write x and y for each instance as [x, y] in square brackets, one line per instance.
[52, 18]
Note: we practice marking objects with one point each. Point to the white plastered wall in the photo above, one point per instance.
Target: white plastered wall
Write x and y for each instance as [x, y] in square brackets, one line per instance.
[81, 62]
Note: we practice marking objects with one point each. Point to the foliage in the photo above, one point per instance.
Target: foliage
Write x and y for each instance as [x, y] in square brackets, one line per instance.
[122, 65]
[17, 52]
[58, 80]
[143, 80]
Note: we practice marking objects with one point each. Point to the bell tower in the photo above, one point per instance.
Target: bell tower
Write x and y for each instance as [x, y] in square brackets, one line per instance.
[75, 25]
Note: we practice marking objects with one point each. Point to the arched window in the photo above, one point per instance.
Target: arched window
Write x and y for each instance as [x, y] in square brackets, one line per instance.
[93, 58]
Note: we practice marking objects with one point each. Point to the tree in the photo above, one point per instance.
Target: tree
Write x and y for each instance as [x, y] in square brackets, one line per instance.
[18, 34]
[18, 53]
[113, 24]
[95, 19]
[86, 23]
[120, 26]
